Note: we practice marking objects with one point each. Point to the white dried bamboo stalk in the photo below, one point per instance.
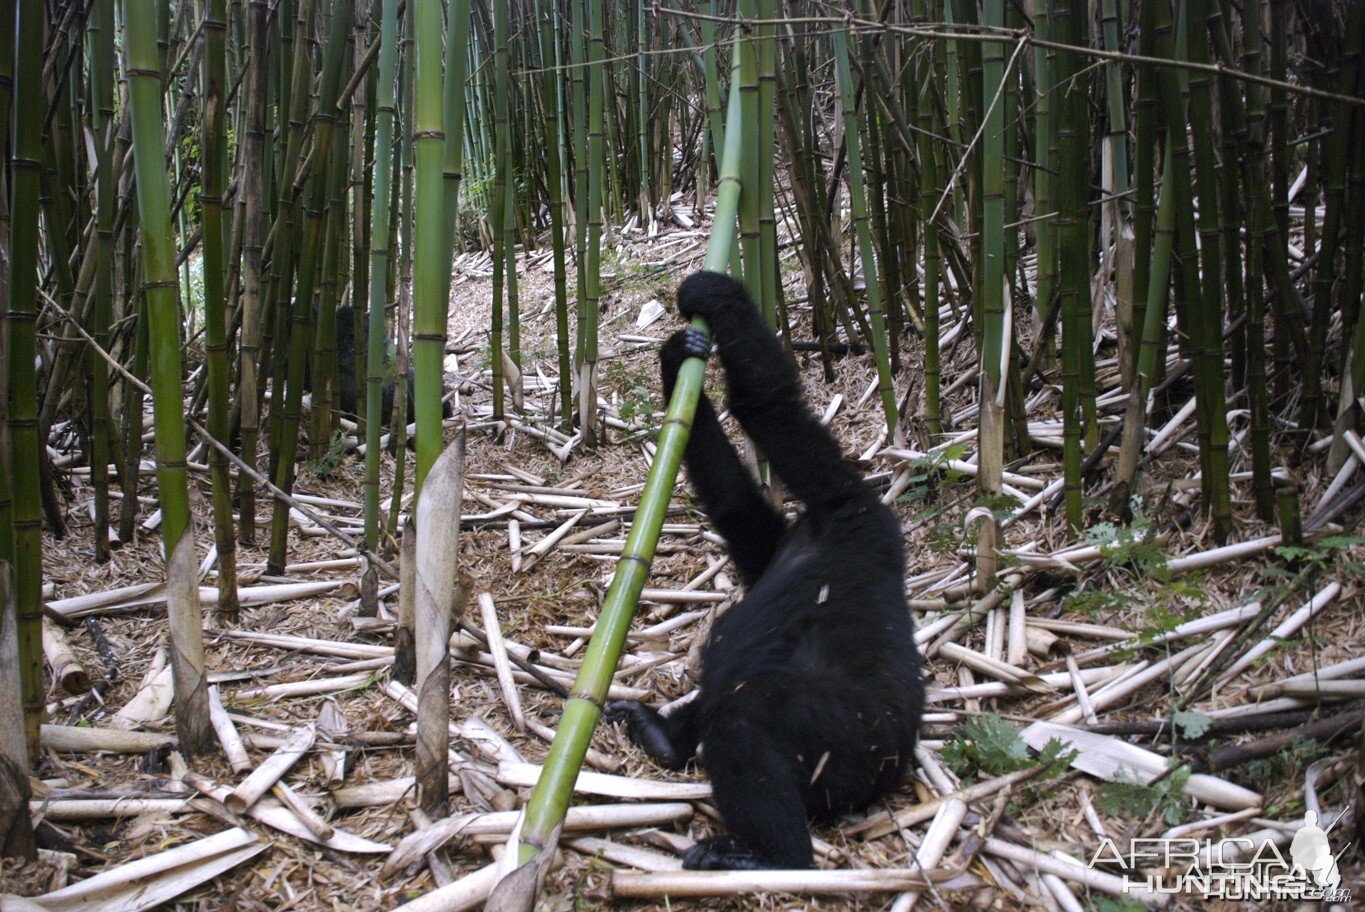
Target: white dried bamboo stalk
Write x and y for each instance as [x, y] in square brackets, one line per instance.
[271, 770]
[1001, 671]
[88, 740]
[1053, 679]
[678, 884]
[1284, 630]
[619, 853]
[1078, 686]
[332, 725]
[306, 688]
[514, 544]
[500, 823]
[493, 630]
[548, 543]
[75, 809]
[1110, 758]
[66, 668]
[233, 748]
[157, 878]
[521, 775]
[149, 704]
[1214, 556]
[1349, 668]
[270, 812]
[1073, 871]
[934, 846]
[292, 643]
[469, 892]
[1017, 638]
[301, 809]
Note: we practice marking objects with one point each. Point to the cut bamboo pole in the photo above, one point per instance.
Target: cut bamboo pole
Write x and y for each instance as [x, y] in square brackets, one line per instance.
[66, 668]
[268, 773]
[233, 748]
[493, 630]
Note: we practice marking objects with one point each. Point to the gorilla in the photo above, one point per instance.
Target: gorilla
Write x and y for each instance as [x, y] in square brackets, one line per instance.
[810, 694]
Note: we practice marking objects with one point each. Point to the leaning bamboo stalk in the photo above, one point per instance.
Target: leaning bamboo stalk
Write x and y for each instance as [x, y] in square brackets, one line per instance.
[553, 792]
[268, 773]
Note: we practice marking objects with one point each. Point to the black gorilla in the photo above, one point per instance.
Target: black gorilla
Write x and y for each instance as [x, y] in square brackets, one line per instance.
[350, 387]
[810, 695]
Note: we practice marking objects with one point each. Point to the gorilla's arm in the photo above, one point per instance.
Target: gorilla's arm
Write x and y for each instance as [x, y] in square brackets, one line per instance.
[765, 395]
[736, 507]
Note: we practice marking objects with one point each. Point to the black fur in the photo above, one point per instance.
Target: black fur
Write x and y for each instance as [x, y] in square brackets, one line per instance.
[810, 695]
[351, 387]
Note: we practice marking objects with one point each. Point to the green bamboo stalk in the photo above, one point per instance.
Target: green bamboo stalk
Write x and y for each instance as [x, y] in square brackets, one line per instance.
[431, 255]
[992, 290]
[21, 324]
[101, 36]
[858, 204]
[499, 211]
[160, 291]
[324, 123]
[554, 789]
[592, 256]
[380, 240]
[252, 184]
[552, 139]
[929, 190]
[213, 158]
[1073, 241]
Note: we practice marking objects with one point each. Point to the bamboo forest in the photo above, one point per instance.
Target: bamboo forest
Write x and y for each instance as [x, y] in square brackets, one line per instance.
[387, 519]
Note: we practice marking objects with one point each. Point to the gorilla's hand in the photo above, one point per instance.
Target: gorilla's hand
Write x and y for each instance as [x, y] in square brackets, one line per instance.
[683, 344]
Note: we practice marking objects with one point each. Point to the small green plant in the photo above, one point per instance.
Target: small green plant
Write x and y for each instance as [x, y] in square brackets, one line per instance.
[331, 460]
[931, 472]
[1130, 546]
[1130, 797]
[1288, 762]
[988, 744]
[1191, 724]
[637, 394]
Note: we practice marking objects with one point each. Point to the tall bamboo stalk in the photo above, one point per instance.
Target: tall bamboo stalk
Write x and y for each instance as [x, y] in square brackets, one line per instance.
[160, 290]
[858, 203]
[554, 789]
[380, 241]
[431, 254]
[214, 163]
[22, 381]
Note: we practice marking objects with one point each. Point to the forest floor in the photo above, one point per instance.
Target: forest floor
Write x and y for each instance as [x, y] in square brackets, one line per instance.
[1127, 593]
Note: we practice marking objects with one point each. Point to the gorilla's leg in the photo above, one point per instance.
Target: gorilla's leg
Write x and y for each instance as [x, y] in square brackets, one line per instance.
[669, 740]
[760, 795]
[734, 504]
[765, 394]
